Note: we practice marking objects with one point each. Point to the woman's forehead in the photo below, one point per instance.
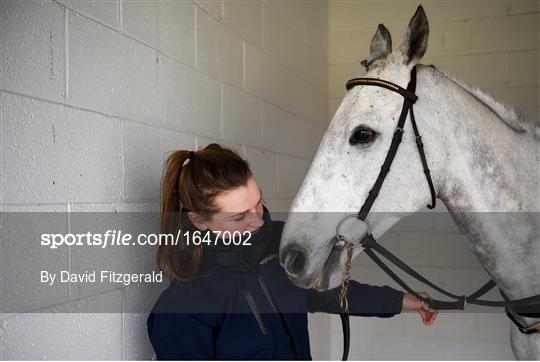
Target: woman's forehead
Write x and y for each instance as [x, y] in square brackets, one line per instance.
[239, 199]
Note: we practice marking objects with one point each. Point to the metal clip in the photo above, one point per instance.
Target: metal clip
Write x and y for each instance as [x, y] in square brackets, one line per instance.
[341, 241]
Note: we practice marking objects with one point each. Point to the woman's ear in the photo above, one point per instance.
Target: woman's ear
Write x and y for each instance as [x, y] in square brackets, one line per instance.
[197, 220]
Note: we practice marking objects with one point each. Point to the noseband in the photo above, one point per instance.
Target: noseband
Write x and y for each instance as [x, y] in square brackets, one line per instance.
[369, 244]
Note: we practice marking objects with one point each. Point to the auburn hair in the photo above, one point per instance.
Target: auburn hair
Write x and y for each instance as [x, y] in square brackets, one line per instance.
[194, 186]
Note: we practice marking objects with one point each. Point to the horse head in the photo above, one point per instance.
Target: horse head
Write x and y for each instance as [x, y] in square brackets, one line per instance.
[348, 161]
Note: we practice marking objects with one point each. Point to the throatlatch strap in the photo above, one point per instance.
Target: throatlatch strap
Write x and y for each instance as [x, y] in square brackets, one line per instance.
[420, 145]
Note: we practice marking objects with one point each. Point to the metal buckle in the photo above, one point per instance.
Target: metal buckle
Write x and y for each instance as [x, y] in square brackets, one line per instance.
[464, 302]
[341, 241]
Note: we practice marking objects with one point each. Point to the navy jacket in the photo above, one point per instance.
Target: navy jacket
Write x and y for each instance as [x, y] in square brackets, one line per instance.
[224, 314]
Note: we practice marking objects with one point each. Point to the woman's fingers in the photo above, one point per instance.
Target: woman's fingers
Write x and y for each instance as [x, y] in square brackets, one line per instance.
[424, 316]
[428, 315]
[431, 316]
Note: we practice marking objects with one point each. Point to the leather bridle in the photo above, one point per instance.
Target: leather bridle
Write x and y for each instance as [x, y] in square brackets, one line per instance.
[370, 245]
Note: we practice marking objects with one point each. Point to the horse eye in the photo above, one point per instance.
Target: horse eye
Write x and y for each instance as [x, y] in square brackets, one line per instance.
[362, 135]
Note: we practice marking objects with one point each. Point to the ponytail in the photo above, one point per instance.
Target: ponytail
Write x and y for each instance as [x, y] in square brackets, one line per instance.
[192, 186]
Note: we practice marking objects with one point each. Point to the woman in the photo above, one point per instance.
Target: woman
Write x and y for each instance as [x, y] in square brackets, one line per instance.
[229, 298]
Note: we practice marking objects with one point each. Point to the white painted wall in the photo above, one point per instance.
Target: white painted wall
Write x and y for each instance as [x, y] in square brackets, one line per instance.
[93, 93]
[494, 45]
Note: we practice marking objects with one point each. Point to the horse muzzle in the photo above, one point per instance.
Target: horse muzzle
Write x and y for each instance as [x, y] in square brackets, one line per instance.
[313, 272]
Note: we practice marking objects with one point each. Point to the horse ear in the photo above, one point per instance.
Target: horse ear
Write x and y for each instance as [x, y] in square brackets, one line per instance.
[413, 46]
[381, 44]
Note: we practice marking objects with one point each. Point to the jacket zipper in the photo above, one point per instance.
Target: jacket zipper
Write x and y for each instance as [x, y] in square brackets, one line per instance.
[253, 306]
[275, 307]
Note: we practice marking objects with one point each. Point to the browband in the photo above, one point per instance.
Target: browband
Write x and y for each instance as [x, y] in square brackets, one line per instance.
[410, 96]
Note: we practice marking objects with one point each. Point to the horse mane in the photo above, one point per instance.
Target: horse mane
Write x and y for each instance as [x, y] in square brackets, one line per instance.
[510, 115]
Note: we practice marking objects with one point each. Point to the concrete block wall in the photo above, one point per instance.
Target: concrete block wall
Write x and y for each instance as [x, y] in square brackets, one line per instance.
[94, 93]
[494, 46]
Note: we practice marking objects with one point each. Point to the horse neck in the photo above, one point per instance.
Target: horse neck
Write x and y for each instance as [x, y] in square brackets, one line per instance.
[486, 167]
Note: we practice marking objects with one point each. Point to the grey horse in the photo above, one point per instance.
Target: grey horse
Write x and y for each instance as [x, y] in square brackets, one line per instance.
[484, 161]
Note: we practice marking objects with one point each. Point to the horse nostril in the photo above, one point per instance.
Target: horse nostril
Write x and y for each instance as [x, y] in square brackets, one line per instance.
[295, 262]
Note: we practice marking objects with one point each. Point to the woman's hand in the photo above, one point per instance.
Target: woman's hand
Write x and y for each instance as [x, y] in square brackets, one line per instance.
[411, 303]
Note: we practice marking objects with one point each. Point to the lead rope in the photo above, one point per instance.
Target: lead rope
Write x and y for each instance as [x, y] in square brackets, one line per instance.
[346, 276]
